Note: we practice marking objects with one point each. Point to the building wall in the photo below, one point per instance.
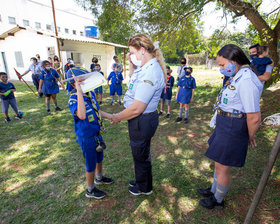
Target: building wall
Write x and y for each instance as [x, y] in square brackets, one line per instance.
[29, 43]
[41, 11]
[104, 53]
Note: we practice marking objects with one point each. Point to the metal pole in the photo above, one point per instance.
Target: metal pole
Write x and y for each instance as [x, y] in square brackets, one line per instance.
[55, 28]
[266, 173]
[124, 62]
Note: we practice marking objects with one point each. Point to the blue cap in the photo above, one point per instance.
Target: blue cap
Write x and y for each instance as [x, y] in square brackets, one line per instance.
[77, 71]
[115, 65]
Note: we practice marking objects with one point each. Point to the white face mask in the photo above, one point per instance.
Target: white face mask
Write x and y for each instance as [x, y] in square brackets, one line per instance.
[134, 60]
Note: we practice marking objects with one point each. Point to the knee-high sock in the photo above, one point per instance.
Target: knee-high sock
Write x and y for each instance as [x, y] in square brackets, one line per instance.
[119, 97]
[186, 113]
[221, 192]
[113, 98]
[180, 112]
[213, 188]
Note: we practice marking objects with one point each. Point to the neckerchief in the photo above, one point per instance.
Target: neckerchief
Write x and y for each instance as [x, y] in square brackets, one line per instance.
[168, 77]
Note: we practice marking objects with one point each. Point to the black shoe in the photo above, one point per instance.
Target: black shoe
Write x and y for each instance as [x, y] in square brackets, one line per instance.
[120, 102]
[100, 102]
[205, 192]
[48, 111]
[167, 116]
[58, 109]
[178, 119]
[211, 203]
[7, 119]
[135, 191]
[104, 180]
[160, 113]
[95, 193]
[186, 120]
[18, 117]
[132, 183]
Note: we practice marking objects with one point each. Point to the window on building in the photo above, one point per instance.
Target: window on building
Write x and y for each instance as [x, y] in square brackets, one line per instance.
[49, 27]
[74, 32]
[58, 29]
[19, 60]
[26, 22]
[82, 33]
[66, 30]
[12, 20]
[38, 25]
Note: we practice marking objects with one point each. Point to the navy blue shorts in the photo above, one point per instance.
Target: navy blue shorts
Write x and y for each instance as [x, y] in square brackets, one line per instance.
[88, 146]
[228, 144]
[115, 89]
[6, 103]
[98, 90]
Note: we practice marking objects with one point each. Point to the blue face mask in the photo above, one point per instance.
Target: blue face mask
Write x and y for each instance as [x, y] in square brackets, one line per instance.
[4, 79]
[229, 70]
[48, 68]
[187, 73]
[253, 56]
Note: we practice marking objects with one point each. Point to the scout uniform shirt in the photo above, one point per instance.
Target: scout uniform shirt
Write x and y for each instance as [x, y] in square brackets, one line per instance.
[50, 85]
[145, 85]
[4, 87]
[90, 126]
[243, 94]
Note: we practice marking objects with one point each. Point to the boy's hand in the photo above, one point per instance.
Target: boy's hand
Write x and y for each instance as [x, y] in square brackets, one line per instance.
[7, 93]
[39, 90]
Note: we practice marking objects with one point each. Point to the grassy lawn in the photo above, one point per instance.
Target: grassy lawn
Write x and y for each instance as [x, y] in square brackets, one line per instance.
[42, 174]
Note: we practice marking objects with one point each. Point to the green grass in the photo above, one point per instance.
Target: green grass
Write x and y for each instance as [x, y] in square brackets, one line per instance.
[42, 174]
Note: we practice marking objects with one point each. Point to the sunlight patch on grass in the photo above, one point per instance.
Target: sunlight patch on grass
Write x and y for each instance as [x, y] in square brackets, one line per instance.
[43, 176]
[178, 151]
[205, 165]
[173, 140]
[13, 185]
[186, 204]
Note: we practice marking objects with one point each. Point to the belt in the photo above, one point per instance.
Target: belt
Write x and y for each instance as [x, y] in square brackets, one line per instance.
[36, 74]
[228, 114]
[155, 112]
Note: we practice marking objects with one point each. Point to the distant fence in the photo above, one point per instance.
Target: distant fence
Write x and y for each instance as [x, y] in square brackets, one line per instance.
[201, 59]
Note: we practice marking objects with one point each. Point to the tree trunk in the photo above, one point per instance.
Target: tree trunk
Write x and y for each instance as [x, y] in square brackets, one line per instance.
[268, 36]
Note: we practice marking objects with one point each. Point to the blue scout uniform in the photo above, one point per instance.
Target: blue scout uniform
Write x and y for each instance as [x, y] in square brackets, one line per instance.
[4, 87]
[187, 84]
[9, 99]
[36, 72]
[167, 91]
[115, 86]
[50, 85]
[229, 142]
[86, 130]
[261, 63]
[145, 85]
[100, 88]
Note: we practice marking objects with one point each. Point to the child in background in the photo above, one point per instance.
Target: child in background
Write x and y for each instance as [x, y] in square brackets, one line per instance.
[87, 121]
[262, 60]
[70, 64]
[98, 90]
[116, 83]
[185, 93]
[166, 94]
[48, 85]
[7, 90]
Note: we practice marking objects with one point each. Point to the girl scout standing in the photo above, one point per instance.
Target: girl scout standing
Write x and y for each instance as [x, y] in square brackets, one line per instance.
[86, 114]
[98, 90]
[147, 70]
[48, 85]
[166, 94]
[185, 93]
[116, 83]
[237, 119]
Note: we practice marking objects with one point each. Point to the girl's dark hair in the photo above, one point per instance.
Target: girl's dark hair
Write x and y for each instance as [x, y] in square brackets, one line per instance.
[234, 53]
[45, 62]
[262, 49]
[3, 73]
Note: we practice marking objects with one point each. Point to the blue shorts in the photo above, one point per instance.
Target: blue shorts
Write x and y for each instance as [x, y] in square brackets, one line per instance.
[88, 146]
[115, 88]
[98, 90]
[6, 103]
[228, 144]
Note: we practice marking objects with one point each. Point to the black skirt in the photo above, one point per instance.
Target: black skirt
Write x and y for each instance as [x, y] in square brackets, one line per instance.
[228, 144]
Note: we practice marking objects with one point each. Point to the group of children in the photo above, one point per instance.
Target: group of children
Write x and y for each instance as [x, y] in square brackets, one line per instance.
[184, 95]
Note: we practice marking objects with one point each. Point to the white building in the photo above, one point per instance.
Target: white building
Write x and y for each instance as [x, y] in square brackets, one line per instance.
[18, 43]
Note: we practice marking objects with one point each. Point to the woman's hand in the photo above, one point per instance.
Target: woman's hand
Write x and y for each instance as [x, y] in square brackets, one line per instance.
[115, 119]
[252, 141]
